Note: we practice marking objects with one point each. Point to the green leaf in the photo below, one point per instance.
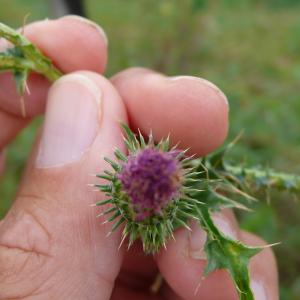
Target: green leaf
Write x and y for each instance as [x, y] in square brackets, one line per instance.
[225, 253]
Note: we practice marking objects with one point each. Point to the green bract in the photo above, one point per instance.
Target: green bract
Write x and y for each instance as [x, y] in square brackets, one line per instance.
[155, 229]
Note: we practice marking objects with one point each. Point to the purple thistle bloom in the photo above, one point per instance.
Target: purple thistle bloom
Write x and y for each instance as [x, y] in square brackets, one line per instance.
[151, 179]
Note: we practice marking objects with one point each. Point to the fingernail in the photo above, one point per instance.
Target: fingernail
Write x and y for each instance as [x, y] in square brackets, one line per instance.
[90, 23]
[258, 290]
[72, 120]
[205, 82]
[196, 241]
[225, 226]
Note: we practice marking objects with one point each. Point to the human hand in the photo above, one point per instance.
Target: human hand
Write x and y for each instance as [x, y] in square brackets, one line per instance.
[52, 246]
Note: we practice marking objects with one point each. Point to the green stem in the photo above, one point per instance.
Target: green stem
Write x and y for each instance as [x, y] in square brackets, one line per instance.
[265, 178]
[10, 62]
[33, 59]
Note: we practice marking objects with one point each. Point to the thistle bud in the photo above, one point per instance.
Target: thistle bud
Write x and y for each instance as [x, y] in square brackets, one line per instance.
[148, 190]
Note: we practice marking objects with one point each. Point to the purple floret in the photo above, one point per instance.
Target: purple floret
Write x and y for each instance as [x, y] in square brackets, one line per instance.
[151, 179]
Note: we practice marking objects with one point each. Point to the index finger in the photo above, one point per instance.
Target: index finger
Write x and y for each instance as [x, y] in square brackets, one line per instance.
[192, 110]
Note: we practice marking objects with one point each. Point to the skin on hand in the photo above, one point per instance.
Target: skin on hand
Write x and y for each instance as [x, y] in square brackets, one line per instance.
[52, 246]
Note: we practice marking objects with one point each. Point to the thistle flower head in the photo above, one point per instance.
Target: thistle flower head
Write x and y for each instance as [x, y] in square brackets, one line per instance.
[151, 179]
[149, 190]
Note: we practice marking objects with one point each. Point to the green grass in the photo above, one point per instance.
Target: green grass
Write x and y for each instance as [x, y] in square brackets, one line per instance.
[248, 48]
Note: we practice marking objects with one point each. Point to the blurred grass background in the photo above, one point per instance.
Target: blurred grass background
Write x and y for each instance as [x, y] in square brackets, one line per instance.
[249, 48]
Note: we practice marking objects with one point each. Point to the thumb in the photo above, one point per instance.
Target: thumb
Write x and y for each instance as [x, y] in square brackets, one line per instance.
[51, 244]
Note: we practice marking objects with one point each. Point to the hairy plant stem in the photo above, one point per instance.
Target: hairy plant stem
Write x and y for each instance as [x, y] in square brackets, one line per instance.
[9, 62]
[265, 178]
[29, 57]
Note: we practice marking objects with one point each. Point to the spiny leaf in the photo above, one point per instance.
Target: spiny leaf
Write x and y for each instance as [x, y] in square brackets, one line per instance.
[225, 253]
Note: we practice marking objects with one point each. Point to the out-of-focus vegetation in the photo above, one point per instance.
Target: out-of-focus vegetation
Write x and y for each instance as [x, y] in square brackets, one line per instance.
[249, 48]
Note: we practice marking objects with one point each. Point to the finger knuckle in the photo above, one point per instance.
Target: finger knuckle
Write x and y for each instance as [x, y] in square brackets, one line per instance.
[25, 254]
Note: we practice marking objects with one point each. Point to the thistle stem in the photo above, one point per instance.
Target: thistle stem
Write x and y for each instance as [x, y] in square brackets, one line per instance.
[265, 178]
[32, 59]
[10, 62]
